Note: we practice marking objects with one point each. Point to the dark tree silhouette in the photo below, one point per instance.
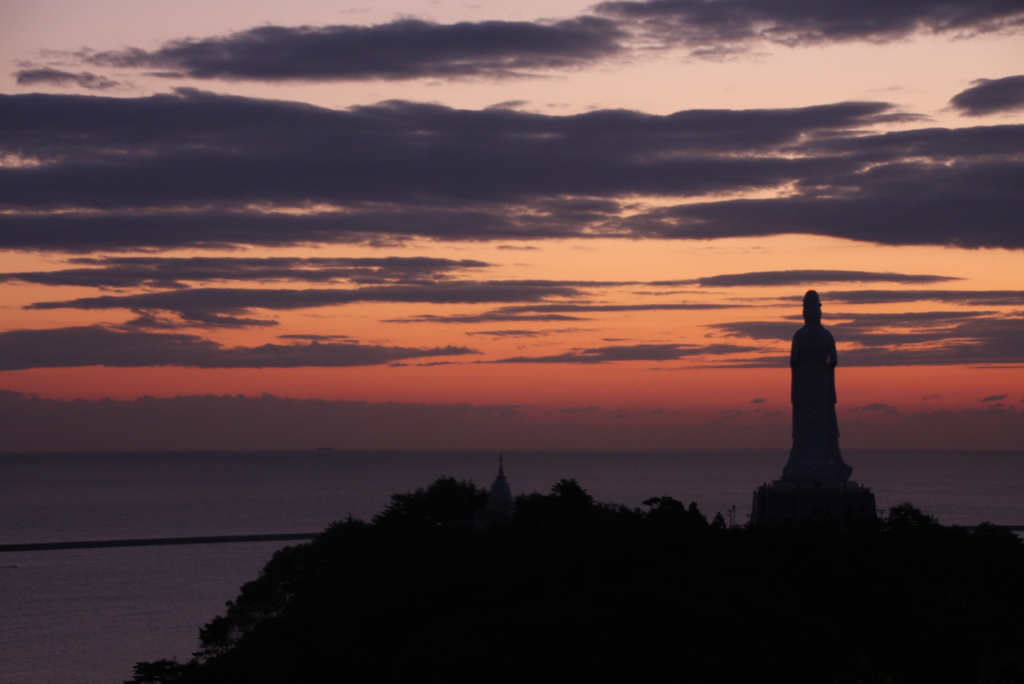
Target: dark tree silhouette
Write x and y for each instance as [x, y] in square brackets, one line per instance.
[573, 590]
[445, 500]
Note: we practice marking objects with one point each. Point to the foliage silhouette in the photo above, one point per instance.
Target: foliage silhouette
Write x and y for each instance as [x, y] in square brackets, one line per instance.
[445, 500]
[573, 590]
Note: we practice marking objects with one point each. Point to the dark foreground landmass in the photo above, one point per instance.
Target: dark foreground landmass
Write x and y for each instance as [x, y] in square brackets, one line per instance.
[572, 590]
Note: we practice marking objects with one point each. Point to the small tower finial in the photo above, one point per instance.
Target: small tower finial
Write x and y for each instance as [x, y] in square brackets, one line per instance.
[500, 502]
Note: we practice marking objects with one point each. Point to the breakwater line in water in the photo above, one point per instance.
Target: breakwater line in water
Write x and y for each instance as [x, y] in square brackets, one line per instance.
[218, 539]
[161, 541]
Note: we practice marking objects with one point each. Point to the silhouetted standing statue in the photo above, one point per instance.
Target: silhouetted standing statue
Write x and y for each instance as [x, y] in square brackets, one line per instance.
[815, 455]
[815, 483]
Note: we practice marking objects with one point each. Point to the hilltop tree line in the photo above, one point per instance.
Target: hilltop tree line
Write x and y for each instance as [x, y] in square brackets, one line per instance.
[573, 590]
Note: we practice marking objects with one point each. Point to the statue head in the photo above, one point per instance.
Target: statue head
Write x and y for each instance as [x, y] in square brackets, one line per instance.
[812, 307]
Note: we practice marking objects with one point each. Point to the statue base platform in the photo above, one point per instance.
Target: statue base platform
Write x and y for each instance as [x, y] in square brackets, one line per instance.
[837, 502]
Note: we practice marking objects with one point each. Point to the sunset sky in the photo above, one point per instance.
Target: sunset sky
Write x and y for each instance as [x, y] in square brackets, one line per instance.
[229, 224]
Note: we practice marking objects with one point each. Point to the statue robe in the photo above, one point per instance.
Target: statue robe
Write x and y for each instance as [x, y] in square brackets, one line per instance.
[815, 455]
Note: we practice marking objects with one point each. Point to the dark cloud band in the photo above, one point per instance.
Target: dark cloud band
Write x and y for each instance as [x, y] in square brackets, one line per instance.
[555, 312]
[804, 277]
[403, 49]
[412, 48]
[932, 338]
[113, 271]
[991, 96]
[220, 307]
[960, 297]
[197, 169]
[723, 26]
[100, 346]
[58, 77]
[636, 352]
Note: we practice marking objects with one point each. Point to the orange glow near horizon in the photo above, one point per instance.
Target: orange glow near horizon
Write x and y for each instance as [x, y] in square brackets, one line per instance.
[554, 386]
[686, 384]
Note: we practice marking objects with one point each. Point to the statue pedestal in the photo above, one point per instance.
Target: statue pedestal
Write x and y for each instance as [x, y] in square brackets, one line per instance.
[787, 501]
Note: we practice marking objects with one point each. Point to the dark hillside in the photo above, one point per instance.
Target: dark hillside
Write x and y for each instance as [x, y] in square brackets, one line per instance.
[572, 590]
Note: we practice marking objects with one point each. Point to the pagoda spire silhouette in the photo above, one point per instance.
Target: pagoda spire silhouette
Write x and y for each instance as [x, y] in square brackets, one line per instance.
[500, 503]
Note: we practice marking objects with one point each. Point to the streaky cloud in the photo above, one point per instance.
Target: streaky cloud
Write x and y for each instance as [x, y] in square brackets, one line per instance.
[636, 352]
[399, 50]
[486, 317]
[233, 133]
[936, 338]
[521, 332]
[758, 330]
[102, 346]
[168, 272]
[722, 28]
[859, 327]
[991, 96]
[119, 230]
[803, 277]
[965, 297]
[411, 48]
[219, 306]
[876, 406]
[58, 77]
[969, 204]
[217, 171]
[554, 312]
[615, 308]
[310, 338]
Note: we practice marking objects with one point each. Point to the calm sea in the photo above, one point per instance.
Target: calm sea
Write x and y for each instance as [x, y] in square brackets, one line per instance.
[85, 616]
